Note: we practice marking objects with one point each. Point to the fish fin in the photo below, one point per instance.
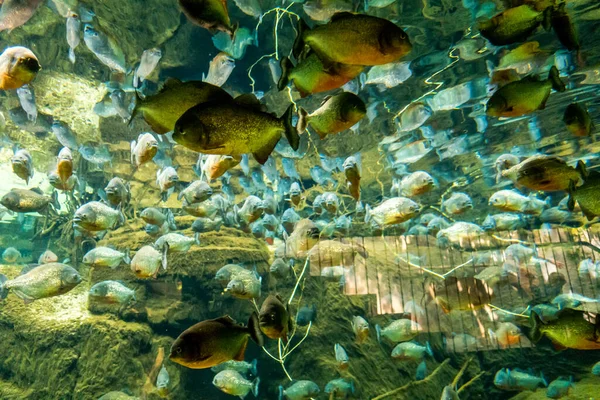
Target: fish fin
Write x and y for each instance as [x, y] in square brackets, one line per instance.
[535, 333]
[302, 120]
[581, 168]
[136, 104]
[164, 256]
[127, 257]
[286, 68]
[262, 154]
[254, 330]
[254, 369]
[255, 384]
[558, 347]
[240, 355]
[298, 46]
[588, 214]
[557, 83]
[341, 15]
[291, 133]
[249, 100]
[3, 290]
[72, 56]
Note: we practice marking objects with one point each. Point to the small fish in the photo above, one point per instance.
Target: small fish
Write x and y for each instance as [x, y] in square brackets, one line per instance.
[416, 183]
[322, 177]
[280, 268]
[468, 293]
[352, 171]
[596, 369]
[118, 99]
[341, 357]
[400, 330]
[336, 114]
[571, 330]
[234, 130]
[209, 14]
[249, 7]
[117, 192]
[219, 69]
[96, 216]
[96, 154]
[421, 372]
[524, 96]
[457, 204]
[361, 329]
[251, 210]
[559, 388]
[289, 168]
[449, 393]
[27, 100]
[411, 351]
[11, 255]
[22, 165]
[513, 25]
[154, 216]
[25, 200]
[578, 120]
[243, 367]
[340, 388]
[245, 286]
[18, 65]
[149, 61]
[392, 211]
[144, 149]
[202, 225]
[44, 281]
[112, 292]
[231, 382]
[162, 381]
[545, 173]
[174, 242]
[147, 261]
[64, 166]
[215, 341]
[354, 39]
[15, 13]
[73, 33]
[64, 135]
[572, 300]
[507, 379]
[546, 312]
[166, 179]
[196, 191]
[415, 115]
[299, 390]
[391, 75]
[47, 257]
[105, 48]
[507, 334]
[565, 29]
[274, 318]
[105, 257]
[215, 166]
[504, 222]
[511, 200]
[289, 219]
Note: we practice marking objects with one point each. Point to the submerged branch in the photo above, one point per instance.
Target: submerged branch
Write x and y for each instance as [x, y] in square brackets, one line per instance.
[414, 383]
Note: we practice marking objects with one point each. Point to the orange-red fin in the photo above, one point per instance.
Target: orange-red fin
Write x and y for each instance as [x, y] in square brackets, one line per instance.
[240, 355]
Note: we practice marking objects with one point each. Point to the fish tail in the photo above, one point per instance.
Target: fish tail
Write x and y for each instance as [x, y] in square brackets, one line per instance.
[291, 133]
[254, 369]
[3, 289]
[378, 330]
[281, 395]
[127, 258]
[255, 384]
[254, 330]
[72, 55]
[136, 104]
[554, 77]
[428, 349]
[547, 18]
[302, 120]
[535, 333]
[571, 200]
[543, 378]
[286, 67]
[299, 42]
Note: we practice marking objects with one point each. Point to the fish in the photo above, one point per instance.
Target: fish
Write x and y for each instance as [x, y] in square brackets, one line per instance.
[544, 173]
[361, 329]
[596, 369]
[524, 96]
[511, 200]
[219, 69]
[117, 396]
[112, 292]
[299, 390]
[235, 46]
[309, 75]
[504, 222]
[231, 382]
[196, 191]
[64, 135]
[559, 388]
[323, 10]
[154, 216]
[578, 120]
[143, 149]
[73, 33]
[421, 372]
[251, 210]
[507, 334]
[22, 165]
[585, 195]
[47, 257]
[280, 268]
[516, 379]
[391, 75]
[565, 29]
[526, 58]
[106, 257]
[341, 357]
[571, 330]
[243, 367]
[546, 312]
[392, 211]
[411, 351]
[214, 341]
[202, 225]
[166, 179]
[96, 216]
[162, 110]
[162, 381]
[27, 200]
[322, 176]
[449, 393]
[416, 183]
[174, 242]
[306, 315]
[458, 203]
[64, 166]
[245, 286]
[571, 300]
[335, 114]
[354, 39]
[463, 294]
[147, 261]
[118, 100]
[514, 25]
[45, 281]
[11, 255]
[148, 63]
[216, 166]
[340, 388]
[400, 330]
[414, 116]
[95, 154]
[274, 318]
[227, 128]
[352, 172]
[117, 192]
[27, 101]
[105, 48]
[18, 65]
[15, 13]
[208, 14]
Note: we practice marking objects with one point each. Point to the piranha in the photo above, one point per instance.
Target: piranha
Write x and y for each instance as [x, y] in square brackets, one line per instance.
[361, 329]
[143, 149]
[392, 211]
[336, 114]
[105, 48]
[415, 184]
[163, 109]
[542, 172]
[353, 39]
[105, 257]
[44, 281]
[22, 165]
[112, 292]
[147, 261]
[18, 67]
[27, 200]
[516, 379]
[117, 192]
[523, 96]
[231, 382]
[233, 129]
[96, 216]
[352, 171]
[64, 166]
[215, 341]
[586, 195]
[299, 390]
[310, 76]
[209, 14]
[572, 329]
[15, 13]
[565, 29]
[400, 330]
[578, 120]
[514, 25]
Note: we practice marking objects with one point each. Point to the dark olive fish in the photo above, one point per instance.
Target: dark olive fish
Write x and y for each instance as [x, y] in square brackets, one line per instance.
[578, 120]
[274, 318]
[209, 14]
[15, 13]
[26, 200]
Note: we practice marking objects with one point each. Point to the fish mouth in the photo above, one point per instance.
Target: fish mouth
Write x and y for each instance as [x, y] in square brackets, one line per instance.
[31, 64]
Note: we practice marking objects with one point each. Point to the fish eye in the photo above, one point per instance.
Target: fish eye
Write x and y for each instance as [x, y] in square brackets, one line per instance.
[178, 350]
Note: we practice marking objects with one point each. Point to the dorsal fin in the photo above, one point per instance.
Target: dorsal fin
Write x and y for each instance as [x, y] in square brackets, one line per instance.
[325, 100]
[226, 320]
[249, 100]
[341, 15]
[37, 190]
[170, 83]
